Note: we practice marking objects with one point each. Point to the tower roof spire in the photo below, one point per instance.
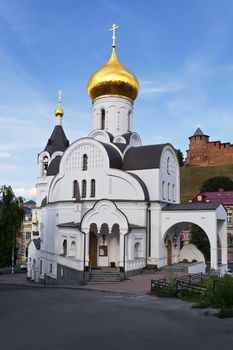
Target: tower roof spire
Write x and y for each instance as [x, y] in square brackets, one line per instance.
[59, 111]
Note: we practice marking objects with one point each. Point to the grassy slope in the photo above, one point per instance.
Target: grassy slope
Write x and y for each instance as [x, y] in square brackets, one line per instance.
[192, 177]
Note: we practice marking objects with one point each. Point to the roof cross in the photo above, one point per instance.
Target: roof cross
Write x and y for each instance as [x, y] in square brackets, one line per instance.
[59, 96]
[113, 29]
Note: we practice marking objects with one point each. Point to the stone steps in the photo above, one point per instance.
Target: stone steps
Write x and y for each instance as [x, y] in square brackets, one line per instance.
[107, 275]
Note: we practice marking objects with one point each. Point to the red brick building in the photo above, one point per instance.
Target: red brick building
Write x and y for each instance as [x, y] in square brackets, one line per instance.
[226, 198]
[204, 152]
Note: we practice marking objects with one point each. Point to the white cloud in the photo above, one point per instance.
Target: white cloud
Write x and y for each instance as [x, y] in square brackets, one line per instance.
[4, 155]
[148, 87]
[27, 193]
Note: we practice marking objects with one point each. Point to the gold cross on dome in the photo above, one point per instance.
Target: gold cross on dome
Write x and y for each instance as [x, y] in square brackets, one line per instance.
[113, 29]
[59, 96]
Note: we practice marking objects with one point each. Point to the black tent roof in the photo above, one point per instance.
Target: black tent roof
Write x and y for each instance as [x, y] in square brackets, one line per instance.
[57, 141]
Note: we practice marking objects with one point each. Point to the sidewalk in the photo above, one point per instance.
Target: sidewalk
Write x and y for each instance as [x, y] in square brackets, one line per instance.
[18, 279]
[136, 285]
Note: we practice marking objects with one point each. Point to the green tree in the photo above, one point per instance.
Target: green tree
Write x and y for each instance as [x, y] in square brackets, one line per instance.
[11, 217]
[200, 240]
[213, 184]
[180, 157]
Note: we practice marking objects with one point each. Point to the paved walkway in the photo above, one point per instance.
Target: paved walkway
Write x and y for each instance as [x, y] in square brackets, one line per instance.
[136, 285]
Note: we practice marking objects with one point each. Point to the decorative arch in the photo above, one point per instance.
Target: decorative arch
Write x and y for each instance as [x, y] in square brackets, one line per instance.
[105, 209]
[44, 160]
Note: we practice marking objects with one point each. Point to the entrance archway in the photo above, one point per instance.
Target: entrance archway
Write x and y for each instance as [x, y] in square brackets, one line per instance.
[93, 249]
[110, 225]
[169, 252]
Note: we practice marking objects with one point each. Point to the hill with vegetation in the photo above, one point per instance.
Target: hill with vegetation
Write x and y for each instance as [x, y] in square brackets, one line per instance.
[192, 178]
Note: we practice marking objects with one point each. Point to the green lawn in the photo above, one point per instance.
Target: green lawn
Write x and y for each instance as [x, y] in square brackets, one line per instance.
[192, 177]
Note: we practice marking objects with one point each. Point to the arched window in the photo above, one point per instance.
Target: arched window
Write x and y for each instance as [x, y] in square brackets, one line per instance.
[229, 218]
[76, 193]
[102, 118]
[45, 165]
[138, 253]
[173, 193]
[168, 166]
[92, 188]
[84, 188]
[163, 190]
[129, 115]
[72, 249]
[64, 247]
[40, 266]
[85, 158]
[168, 191]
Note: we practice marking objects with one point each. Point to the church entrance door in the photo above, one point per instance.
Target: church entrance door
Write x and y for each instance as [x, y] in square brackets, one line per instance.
[93, 249]
[169, 252]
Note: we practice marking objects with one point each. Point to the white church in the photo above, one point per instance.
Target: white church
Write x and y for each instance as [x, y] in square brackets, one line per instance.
[107, 201]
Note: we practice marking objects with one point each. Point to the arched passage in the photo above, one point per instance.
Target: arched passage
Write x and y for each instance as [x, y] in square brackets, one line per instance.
[186, 242]
[211, 219]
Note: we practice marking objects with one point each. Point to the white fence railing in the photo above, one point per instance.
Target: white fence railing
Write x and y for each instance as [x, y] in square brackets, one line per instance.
[135, 264]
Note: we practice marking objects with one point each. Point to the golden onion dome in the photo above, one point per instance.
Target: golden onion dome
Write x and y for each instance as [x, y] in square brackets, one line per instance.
[113, 79]
[59, 111]
[35, 221]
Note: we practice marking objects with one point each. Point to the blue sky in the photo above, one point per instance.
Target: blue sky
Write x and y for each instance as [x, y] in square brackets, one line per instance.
[180, 50]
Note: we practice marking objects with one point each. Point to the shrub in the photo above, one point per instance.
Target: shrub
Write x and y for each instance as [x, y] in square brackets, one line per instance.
[222, 292]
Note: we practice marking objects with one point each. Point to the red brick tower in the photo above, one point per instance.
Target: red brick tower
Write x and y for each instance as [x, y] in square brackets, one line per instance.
[197, 154]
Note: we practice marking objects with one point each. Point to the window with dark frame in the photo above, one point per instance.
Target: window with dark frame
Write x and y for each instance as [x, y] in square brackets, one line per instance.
[76, 194]
[64, 246]
[102, 119]
[92, 188]
[85, 158]
[84, 189]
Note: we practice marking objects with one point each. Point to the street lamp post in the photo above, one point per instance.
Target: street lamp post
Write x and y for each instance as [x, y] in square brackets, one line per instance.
[13, 252]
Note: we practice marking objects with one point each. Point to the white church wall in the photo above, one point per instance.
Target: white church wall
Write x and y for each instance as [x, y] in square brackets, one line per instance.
[70, 235]
[42, 187]
[134, 211]
[157, 255]
[169, 182]
[122, 186]
[151, 179]
[135, 250]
